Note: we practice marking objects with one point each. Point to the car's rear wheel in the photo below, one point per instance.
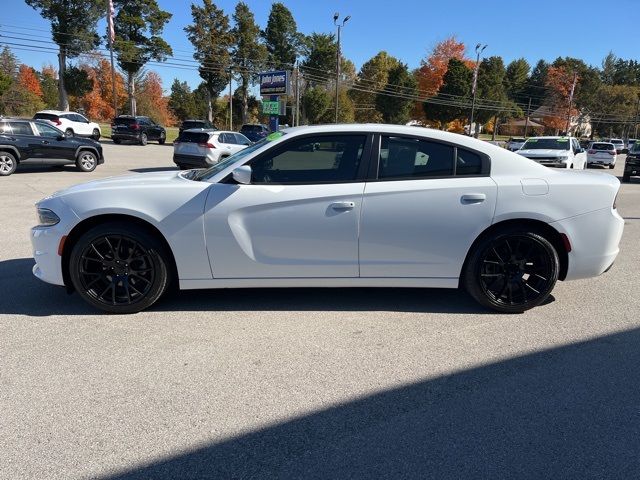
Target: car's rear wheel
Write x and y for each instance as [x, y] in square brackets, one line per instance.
[163, 138]
[8, 164]
[119, 268]
[95, 134]
[612, 166]
[87, 161]
[512, 271]
[117, 141]
[69, 132]
[143, 139]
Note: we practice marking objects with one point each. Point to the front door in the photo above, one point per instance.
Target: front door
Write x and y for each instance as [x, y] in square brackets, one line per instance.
[299, 216]
[55, 147]
[423, 213]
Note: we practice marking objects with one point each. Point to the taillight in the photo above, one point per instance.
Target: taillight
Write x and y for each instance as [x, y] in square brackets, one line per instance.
[135, 126]
[57, 121]
[207, 145]
[591, 152]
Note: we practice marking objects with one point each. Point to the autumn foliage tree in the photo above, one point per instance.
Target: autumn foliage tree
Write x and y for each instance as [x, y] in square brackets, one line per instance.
[28, 79]
[559, 83]
[432, 70]
[98, 103]
[152, 102]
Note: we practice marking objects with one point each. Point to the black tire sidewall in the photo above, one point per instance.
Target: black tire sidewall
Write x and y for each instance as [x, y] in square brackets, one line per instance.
[151, 243]
[13, 161]
[95, 134]
[471, 274]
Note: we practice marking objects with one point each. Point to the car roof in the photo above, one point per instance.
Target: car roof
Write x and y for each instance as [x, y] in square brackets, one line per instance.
[553, 137]
[201, 130]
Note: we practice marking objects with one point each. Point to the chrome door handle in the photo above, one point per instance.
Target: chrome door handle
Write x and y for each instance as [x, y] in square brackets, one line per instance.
[473, 198]
[343, 205]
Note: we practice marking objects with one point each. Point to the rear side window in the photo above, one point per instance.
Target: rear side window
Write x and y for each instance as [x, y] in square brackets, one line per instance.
[194, 137]
[46, 116]
[21, 128]
[468, 163]
[413, 158]
[602, 146]
[124, 121]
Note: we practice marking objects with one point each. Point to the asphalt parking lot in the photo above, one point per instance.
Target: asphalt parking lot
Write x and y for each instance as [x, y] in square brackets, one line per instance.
[299, 383]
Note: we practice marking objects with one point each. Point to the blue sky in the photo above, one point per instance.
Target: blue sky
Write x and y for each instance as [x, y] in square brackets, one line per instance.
[408, 29]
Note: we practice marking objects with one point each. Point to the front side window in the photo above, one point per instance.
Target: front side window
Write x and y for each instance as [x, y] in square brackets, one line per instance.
[320, 159]
[47, 131]
[411, 158]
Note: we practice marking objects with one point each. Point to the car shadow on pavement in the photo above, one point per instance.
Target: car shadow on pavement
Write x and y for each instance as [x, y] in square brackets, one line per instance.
[569, 412]
[24, 294]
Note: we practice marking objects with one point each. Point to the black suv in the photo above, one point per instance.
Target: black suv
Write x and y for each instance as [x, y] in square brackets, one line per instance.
[254, 131]
[35, 142]
[189, 124]
[632, 163]
[138, 129]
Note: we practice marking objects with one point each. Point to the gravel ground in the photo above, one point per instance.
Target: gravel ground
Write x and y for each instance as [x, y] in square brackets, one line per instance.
[302, 383]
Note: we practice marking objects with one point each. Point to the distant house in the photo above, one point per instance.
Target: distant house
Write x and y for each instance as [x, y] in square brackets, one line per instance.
[579, 125]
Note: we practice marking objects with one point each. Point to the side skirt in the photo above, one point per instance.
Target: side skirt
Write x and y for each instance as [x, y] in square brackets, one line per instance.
[186, 284]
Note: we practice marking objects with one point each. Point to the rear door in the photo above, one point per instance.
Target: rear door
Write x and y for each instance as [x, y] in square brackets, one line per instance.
[429, 203]
[30, 144]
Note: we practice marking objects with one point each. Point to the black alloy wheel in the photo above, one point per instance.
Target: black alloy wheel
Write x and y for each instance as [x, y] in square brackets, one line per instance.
[513, 272]
[119, 270]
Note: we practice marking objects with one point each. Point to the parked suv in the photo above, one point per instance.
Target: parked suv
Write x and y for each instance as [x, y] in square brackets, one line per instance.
[188, 124]
[137, 129]
[71, 123]
[561, 152]
[619, 143]
[199, 148]
[254, 131]
[632, 163]
[602, 153]
[36, 142]
[515, 143]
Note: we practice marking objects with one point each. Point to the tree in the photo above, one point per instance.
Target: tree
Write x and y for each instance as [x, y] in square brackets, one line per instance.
[515, 80]
[8, 69]
[432, 70]
[98, 103]
[608, 68]
[491, 90]
[49, 85]
[316, 102]
[560, 82]
[248, 52]
[373, 75]
[73, 29]
[211, 39]
[536, 86]
[612, 103]
[201, 101]
[281, 37]
[138, 29]
[152, 101]
[28, 80]
[181, 100]
[393, 108]
[456, 88]
[320, 50]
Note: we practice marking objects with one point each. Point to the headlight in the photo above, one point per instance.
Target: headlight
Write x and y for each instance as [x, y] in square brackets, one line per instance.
[563, 158]
[46, 218]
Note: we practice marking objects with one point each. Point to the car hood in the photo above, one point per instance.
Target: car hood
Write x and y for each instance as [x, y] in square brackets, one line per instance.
[136, 180]
[543, 153]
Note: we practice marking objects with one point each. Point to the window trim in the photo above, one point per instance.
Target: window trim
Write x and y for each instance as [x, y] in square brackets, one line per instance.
[361, 173]
[485, 171]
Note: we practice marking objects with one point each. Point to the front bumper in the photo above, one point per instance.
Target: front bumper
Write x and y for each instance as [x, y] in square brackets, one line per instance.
[45, 242]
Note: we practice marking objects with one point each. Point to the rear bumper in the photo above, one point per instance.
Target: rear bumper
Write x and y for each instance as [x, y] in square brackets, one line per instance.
[595, 239]
[195, 161]
[125, 136]
[600, 161]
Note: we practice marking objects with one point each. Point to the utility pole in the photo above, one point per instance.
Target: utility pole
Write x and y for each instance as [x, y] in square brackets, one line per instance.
[526, 121]
[479, 50]
[573, 88]
[335, 22]
[230, 100]
[111, 36]
[297, 95]
[635, 132]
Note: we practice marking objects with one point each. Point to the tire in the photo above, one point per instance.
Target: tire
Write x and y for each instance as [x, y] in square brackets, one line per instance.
[119, 268]
[163, 138]
[95, 134]
[8, 164]
[512, 270]
[69, 132]
[143, 139]
[612, 166]
[87, 161]
[117, 141]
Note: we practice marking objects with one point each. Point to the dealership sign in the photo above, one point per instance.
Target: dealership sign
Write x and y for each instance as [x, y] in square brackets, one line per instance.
[274, 83]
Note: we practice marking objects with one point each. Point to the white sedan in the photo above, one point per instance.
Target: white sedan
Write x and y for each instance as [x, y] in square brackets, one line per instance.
[335, 206]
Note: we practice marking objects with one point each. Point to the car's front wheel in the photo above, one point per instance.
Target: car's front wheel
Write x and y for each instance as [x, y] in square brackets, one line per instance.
[119, 268]
[512, 271]
[8, 164]
[87, 161]
[163, 138]
[95, 134]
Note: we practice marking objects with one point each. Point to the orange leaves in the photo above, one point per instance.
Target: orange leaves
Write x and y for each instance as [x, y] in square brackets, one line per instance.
[98, 103]
[152, 102]
[29, 81]
[560, 82]
[431, 73]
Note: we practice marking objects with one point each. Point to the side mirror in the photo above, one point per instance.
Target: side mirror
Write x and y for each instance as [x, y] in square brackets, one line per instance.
[242, 175]
[61, 137]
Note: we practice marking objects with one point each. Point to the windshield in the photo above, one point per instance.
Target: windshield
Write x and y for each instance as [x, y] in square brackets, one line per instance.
[635, 148]
[547, 144]
[218, 167]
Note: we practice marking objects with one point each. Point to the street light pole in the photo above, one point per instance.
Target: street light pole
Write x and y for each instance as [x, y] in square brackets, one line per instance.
[479, 50]
[335, 22]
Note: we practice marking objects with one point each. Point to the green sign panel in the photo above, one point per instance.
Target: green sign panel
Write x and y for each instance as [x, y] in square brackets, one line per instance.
[271, 108]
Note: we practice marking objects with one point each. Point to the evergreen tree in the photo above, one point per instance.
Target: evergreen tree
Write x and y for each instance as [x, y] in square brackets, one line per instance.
[457, 84]
[373, 75]
[395, 109]
[73, 28]
[181, 100]
[515, 80]
[248, 53]
[138, 28]
[49, 84]
[281, 37]
[536, 88]
[211, 39]
[491, 89]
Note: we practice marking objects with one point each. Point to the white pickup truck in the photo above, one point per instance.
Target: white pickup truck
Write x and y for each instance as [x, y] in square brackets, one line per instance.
[560, 152]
